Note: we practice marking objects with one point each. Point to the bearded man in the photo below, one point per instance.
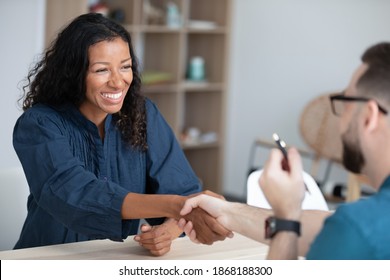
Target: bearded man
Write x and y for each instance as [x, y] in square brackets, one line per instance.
[358, 230]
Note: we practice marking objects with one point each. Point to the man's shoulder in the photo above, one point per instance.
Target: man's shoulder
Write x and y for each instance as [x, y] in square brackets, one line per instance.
[362, 206]
[364, 211]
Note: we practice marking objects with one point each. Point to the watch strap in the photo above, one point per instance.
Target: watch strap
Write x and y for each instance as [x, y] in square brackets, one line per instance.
[275, 225]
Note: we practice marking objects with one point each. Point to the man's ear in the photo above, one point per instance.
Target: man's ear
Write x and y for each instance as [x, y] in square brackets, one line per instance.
[371, 116]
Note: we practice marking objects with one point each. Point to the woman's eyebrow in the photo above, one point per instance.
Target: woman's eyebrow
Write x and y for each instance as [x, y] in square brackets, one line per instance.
[107, 63]
[125, 60]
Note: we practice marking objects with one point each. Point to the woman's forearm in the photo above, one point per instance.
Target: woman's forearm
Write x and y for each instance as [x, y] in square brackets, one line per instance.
[138, 206]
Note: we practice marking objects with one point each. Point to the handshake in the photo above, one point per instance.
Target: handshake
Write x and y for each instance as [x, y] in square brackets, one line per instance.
[199, 225]
[185, 214]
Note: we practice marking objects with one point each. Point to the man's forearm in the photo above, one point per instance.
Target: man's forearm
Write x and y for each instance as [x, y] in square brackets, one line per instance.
[249, 221]
[283, 246]
[311, 224]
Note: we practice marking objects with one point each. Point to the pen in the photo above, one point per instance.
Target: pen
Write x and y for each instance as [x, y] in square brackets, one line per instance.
[282, 146]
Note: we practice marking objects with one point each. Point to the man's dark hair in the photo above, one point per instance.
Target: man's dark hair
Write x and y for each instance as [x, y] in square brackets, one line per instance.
[375, 82]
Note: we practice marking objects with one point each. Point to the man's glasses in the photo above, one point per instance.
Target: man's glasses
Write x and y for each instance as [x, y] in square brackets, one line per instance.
[337, 102]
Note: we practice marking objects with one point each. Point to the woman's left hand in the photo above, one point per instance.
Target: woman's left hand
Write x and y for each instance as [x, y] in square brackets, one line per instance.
[158, 239]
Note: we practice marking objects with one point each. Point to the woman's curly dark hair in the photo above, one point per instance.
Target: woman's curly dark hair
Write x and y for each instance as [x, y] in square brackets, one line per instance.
[60, 76]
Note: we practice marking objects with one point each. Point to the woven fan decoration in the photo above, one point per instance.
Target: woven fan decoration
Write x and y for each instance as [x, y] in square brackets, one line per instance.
[320, 129]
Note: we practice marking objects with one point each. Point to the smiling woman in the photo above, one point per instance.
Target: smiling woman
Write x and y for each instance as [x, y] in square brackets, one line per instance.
[97, 155]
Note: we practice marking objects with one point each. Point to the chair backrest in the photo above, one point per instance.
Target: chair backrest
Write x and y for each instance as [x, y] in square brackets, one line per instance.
[319, 128]
[14, 191]
[314, 199]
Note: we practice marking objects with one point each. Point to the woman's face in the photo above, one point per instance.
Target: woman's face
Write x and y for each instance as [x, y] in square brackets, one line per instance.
[108, 79]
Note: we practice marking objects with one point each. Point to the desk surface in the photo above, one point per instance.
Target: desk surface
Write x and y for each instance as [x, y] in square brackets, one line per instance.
[238, 247]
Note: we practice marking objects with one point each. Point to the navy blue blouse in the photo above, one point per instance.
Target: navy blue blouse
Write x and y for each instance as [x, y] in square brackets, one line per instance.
[78, 182]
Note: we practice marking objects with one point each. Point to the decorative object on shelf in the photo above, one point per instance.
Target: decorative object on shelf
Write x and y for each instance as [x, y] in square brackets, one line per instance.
[191, 136]
[194, 136]
[196, 70]
[173, 19]
[202, 24]
[153, 14]
[155, 77]
[209, 137]
[100, 8]
[118, 15]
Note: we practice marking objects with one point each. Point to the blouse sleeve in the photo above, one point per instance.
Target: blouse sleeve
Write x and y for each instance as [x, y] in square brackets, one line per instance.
[168, 168]
[60, 184]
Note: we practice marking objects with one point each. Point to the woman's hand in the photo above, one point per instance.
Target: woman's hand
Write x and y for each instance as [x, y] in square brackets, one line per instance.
[158, 239]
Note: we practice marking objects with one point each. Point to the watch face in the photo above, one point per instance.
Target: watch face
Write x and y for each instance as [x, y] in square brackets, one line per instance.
[270, 225]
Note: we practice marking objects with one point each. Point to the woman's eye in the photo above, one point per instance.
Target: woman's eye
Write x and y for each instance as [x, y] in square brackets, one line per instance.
[101, 70]
[127, 67]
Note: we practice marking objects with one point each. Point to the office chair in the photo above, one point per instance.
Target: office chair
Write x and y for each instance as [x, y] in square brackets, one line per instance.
[14, 191]
[313, 198]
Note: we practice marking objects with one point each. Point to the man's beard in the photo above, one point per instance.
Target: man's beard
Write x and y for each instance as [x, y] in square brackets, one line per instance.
[353, 158]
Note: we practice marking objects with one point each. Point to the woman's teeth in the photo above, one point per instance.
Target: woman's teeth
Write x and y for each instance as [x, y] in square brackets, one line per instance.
[112, 95]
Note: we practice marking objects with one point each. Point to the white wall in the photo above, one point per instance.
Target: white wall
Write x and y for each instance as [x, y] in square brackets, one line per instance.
[283, 54]
[21, 30]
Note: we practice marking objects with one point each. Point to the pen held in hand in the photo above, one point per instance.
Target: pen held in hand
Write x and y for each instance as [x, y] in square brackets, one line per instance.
[282, 146]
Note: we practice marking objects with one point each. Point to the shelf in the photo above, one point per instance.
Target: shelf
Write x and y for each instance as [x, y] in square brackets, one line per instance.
[161, 88]
[166, 103]
[205, 163]
[203, 111]
[199, 146]
[158, 29]
[159, 53]
[216, 30]
[166, 29]
[212, 48]
[206, 10]
[202, 86]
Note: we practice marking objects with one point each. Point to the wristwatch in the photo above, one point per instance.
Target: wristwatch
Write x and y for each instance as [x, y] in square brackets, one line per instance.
[273, 225]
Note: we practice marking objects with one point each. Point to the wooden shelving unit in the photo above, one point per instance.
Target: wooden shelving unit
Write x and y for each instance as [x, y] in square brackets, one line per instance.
[204, 31]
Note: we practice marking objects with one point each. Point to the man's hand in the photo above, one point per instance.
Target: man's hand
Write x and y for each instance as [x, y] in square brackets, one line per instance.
[283, 189]
[207, 228]
[158, 239]
[214, 206]
[209, 193]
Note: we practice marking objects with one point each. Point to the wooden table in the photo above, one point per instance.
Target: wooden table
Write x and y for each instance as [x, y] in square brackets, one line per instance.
[238, 247]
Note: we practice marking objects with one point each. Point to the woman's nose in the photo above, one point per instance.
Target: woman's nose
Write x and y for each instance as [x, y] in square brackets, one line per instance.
[116, 80]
